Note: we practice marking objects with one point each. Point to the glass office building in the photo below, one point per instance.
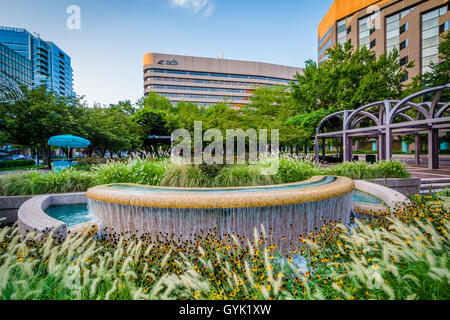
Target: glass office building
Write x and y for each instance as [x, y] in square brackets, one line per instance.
[50, 65]
[15, 66]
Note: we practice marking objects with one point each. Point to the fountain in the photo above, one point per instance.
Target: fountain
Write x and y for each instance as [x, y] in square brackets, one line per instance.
[287, 210]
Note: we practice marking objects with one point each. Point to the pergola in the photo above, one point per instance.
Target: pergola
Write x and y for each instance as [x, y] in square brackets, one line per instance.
[390, 119]
[9, 91]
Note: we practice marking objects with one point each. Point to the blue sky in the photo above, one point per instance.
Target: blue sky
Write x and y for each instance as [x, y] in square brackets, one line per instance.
[107, 51]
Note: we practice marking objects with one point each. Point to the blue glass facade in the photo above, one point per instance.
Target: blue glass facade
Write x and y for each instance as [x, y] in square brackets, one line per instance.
[50, 65]
[15, 66]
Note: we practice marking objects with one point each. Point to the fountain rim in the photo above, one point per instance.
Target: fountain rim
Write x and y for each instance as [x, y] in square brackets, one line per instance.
[217, 200]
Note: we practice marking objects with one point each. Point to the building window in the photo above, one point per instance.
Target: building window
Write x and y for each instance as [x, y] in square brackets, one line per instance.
[364, 32]
[349, 29]
[404, 44]
[342, 31]
[404, 28]
[373, 43]
[324, 37]
[392, 32]
[444, 27]
[325, 47]
[403, 61]
[405, 77]
[430, 37]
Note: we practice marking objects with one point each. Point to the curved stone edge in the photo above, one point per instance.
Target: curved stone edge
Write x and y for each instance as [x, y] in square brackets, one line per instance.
[238, 199]
[394, 200]
[32, 216]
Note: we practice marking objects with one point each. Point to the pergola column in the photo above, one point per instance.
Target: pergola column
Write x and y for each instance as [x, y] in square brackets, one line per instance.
[347, 148]
[433, 149]
[381, 147]
[417, 151]
[324, 152]
[388, 143]
[316, 146]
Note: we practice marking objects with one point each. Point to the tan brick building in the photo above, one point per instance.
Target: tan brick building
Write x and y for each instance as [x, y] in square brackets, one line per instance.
[207, 81]
[412, 26]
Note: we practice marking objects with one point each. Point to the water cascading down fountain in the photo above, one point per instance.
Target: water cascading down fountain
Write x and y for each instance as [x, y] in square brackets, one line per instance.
[288, 211]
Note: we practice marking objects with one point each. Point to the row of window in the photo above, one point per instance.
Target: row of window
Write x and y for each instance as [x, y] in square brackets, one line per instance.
[233, 83]
[157, 86]
[199, 104]
[200, 96]
[324, 37]
[342, 31]
[325, 47]
[15, 66]
[210, 74]
[430, 37]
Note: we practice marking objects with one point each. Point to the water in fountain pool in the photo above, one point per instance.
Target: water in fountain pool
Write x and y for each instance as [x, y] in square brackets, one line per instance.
[72, 214]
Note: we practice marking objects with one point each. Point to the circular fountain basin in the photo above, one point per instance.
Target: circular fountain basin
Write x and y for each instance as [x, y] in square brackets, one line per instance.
[376, 200]
[288, 210]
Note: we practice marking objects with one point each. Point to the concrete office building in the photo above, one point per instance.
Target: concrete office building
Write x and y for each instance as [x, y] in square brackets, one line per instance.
[50, 65]
[207, 81]
[413, 27]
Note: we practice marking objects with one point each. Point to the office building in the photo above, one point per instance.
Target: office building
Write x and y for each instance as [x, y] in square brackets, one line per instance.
[207, 81]
[50, 65]
[413, 27]
[15, 66]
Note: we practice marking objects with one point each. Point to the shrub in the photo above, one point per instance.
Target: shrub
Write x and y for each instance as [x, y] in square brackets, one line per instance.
[241, 175]
[364, 170]
[16, 163]
[186, 176]
[354, 170]
[293, 169]
[137, 170]
[392, 169]
[36, 182]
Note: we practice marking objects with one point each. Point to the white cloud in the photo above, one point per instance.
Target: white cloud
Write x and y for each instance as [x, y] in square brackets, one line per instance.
[206, 7]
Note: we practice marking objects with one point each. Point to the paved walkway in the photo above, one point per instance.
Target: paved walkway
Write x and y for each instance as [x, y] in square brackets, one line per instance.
[422, 171]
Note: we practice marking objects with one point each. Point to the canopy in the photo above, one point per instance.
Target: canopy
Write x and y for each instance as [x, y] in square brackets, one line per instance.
[68, 141]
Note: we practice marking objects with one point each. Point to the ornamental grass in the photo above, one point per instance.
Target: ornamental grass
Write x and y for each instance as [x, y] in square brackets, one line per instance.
[403, 255]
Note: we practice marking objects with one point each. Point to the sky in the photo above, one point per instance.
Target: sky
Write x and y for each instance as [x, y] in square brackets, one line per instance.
[108, 47]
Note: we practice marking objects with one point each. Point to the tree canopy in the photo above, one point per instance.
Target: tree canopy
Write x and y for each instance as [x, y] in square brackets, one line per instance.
[350, 78]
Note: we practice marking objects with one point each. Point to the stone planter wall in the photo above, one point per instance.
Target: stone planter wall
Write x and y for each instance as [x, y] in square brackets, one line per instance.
[9, 206]
[32, 216]
[404, 186]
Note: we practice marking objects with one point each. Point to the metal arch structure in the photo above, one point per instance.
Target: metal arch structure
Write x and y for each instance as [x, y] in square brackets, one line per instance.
[390, 120]
[9, 90]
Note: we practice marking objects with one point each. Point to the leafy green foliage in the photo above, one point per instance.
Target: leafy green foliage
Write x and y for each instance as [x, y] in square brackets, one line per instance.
[439, 74]
[350, 78]
[16, 163]
[364, 170]
[40, 115]
[140, 171]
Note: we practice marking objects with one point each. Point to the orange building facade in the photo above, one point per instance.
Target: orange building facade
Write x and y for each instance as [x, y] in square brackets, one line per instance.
[413, 27]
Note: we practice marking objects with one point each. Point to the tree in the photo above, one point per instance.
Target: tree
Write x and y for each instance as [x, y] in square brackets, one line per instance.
[271, 108]
[439, 74]
[40, 115]
[110, 128]
[350, 78]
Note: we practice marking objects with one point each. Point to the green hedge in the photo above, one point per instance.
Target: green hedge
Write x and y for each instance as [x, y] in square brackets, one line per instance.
[16, 163]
